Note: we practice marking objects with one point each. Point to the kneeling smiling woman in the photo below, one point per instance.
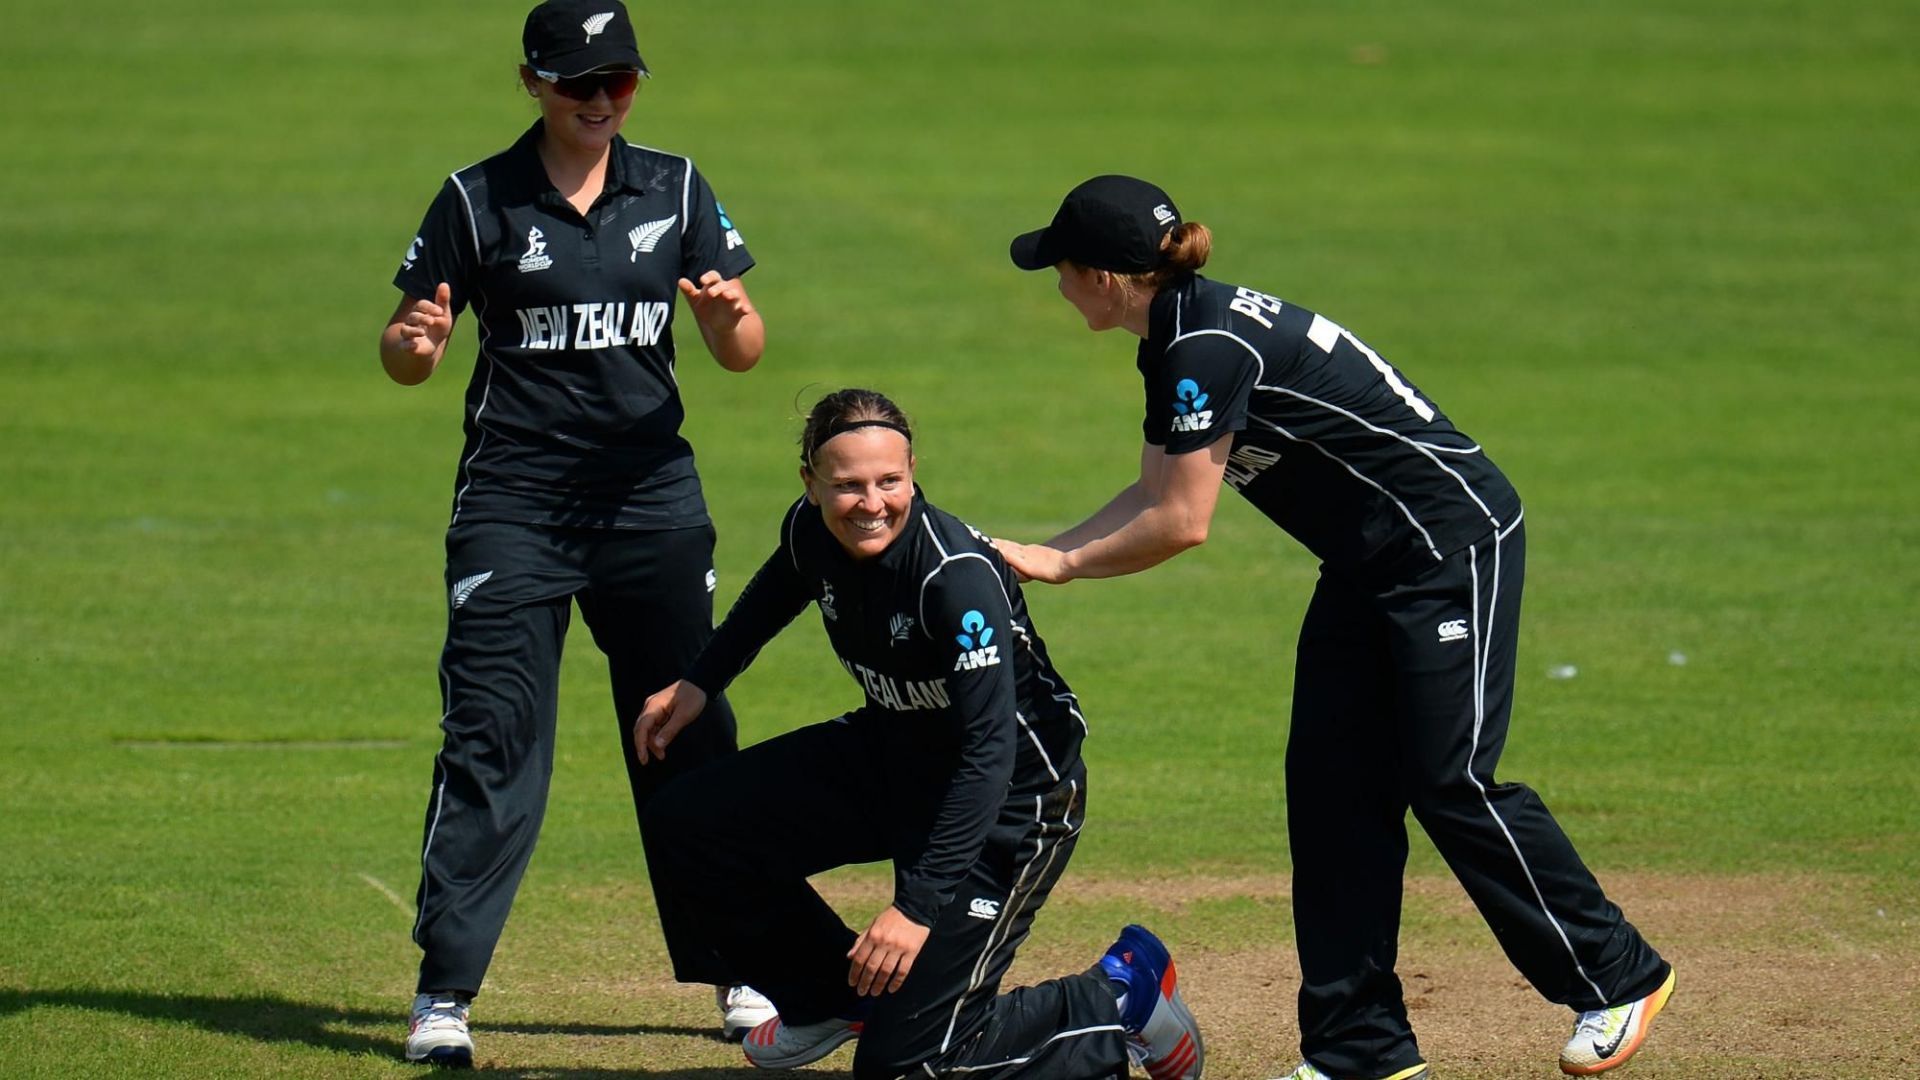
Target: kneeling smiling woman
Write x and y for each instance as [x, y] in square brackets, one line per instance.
[962, 767]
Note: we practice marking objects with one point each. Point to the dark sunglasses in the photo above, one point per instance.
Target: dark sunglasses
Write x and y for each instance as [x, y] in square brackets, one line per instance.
[617, 84]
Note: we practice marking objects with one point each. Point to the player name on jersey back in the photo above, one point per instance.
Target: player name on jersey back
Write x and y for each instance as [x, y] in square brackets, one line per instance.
[594, 325]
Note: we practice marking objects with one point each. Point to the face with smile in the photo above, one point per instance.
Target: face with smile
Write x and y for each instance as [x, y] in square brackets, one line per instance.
[862, 481]
[587, 125]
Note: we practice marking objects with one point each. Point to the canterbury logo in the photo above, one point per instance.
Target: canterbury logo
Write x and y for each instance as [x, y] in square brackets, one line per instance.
[465, 586]
[596, 23]
[981, 908]
[1453, 630]
[647, 237]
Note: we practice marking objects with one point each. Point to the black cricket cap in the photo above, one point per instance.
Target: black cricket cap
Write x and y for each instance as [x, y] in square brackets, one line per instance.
[1108, 223]
[565, 38]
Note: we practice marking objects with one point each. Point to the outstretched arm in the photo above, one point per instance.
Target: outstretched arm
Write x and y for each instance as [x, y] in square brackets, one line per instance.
[1120, 509]
[1176, 496]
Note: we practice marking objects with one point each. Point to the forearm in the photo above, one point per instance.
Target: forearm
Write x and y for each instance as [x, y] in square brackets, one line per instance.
[737, 348]
[765, 607]
[1151, 537]
[1119, 510]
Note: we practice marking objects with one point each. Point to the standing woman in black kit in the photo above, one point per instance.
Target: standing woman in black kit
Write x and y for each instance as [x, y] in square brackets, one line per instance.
[570, 247]
[962, 767]
[1404, 677]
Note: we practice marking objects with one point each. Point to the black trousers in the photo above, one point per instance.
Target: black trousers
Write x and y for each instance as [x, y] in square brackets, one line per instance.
[511, 589]
[736, 841]
[1401, 701]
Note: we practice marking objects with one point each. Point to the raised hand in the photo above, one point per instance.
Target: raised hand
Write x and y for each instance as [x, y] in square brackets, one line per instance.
[719, 303]
[426, 325]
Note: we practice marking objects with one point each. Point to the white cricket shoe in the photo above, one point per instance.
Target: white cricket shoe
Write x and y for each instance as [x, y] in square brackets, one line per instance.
[1604, 1038]
[774, 1045]
[1307, 1071]
[438, 1033]
[742, 1008]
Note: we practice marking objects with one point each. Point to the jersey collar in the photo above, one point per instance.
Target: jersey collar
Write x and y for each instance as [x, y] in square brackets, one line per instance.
[525, 154]
[1164, 317]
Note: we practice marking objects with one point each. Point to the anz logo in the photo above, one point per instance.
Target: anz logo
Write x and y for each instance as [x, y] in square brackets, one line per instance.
[975, 637]
[733, 234]
[1190, 407]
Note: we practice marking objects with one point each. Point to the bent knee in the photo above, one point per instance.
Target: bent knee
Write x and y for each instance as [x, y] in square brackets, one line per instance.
[674, 810]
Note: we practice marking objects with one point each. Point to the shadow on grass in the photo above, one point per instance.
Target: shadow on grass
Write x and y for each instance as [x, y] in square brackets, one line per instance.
[271, 1019]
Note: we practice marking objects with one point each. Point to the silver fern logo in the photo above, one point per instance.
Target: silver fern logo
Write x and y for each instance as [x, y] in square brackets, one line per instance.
[902, 626]
[464, 588]
[647, 237]
[596, 23]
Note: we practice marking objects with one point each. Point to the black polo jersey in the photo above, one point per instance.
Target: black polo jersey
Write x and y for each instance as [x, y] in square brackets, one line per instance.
[961, 699]
[573, 414]
[1330, 441]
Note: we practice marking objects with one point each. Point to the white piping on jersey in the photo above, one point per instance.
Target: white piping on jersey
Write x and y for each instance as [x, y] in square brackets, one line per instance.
[1018, 630]
[1482, 653]
[793, 515]
[1421, 447]
[1438, 449]
[473, 229]
[946, 558]
[1017, 899]
[686, 186]
[1054, 690]
[1358, 475]
[1034, 738]
[486, 393]
[1257, 358]
[1511, 525]
[1426, 449]
[686, 176]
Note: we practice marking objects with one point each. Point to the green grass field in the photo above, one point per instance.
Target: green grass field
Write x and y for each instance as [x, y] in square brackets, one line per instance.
[1659, 258]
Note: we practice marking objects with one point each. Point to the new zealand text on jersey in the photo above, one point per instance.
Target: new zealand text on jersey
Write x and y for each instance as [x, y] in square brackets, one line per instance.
[594, 325]
[900, 695]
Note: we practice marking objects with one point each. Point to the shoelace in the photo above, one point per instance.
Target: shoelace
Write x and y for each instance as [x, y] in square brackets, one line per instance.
[440, 1014]
[1601, 1023]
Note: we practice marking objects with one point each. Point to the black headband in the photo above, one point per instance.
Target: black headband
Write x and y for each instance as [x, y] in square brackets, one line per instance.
[839, 427]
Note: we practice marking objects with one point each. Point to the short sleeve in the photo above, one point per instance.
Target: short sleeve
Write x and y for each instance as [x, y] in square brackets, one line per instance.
[711, 241]
[1199, 392]
[445, 249]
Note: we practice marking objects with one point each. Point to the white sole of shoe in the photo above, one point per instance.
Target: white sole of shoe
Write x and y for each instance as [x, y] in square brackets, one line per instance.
[808, 1056]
